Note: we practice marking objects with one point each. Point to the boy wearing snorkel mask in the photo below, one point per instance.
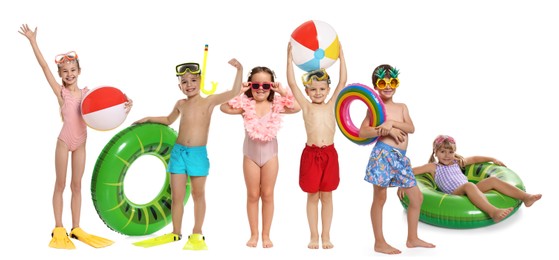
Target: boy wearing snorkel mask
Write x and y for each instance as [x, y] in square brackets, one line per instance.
[189, 156]
[319, 172]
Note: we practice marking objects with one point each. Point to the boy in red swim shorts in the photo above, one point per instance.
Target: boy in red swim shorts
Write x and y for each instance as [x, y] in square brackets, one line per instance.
[319, 170]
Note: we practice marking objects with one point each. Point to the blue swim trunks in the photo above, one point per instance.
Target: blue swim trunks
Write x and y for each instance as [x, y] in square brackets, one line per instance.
[389, 167]
[192, 161]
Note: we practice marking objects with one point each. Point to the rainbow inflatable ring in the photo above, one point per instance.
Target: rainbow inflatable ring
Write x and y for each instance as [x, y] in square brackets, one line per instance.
[458, 212]
[365, 94]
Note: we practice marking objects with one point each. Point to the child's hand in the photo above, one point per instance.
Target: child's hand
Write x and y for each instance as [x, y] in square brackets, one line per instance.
[143, 120]
[244, 87]
[495, 161]
[380, 132]
[276, 86]
[387, 124]
[398, 135]
[128, 105]
[25, 31]
[400, 192]
[384, 128]
[235, 63]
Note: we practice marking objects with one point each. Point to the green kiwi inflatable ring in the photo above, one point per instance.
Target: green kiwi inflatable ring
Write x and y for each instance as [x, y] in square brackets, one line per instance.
[107, 184]
[453, 211]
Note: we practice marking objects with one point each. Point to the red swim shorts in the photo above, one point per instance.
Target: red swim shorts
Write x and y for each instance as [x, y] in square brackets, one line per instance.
[319, 169]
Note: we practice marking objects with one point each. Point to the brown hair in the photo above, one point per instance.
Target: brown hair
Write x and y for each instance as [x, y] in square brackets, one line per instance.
[257, 70]
[386, 67]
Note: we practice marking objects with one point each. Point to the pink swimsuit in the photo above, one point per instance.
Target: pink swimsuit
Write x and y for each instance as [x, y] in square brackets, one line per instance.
[260, 143]
[74, 129]
[260, 152]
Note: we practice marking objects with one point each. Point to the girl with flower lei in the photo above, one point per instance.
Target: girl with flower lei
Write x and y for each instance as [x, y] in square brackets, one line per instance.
[261, 109]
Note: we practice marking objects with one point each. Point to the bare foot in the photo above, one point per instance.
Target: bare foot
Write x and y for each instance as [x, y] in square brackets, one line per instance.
[326, 244]
[418, 243]
[386, 249]
[500, 214]
[266, 242]
[313, 244]
[531, 199]
[253, 241]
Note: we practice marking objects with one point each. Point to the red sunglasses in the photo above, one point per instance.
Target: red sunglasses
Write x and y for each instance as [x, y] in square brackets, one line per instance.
[265, 85]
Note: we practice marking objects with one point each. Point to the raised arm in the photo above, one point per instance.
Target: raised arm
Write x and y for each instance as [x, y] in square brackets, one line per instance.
[166, 120]
[290, 105]
[228, 109]
[343, 78]
[32, 37]
[292, 83]
[221, 98]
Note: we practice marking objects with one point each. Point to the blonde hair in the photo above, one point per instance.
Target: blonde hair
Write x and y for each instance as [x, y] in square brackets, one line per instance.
[446, 142]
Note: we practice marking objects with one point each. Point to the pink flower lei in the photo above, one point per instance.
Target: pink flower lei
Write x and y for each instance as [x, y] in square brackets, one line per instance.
[257, 129]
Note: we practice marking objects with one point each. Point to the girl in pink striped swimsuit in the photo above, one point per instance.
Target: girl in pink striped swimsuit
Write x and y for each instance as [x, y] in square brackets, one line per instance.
[261, 109]
[448, 175]
[72, 139]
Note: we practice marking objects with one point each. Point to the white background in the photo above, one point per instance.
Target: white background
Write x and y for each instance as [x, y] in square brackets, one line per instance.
[481, 71]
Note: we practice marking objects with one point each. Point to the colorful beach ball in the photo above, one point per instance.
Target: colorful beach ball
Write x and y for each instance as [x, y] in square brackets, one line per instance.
[315, 45]
[103, 108]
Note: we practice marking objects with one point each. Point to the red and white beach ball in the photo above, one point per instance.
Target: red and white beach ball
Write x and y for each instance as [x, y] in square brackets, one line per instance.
[103, 108]
[315, 45]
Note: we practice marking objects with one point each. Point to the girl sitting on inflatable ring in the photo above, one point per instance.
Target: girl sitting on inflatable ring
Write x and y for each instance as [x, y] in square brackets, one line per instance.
[446, 170]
